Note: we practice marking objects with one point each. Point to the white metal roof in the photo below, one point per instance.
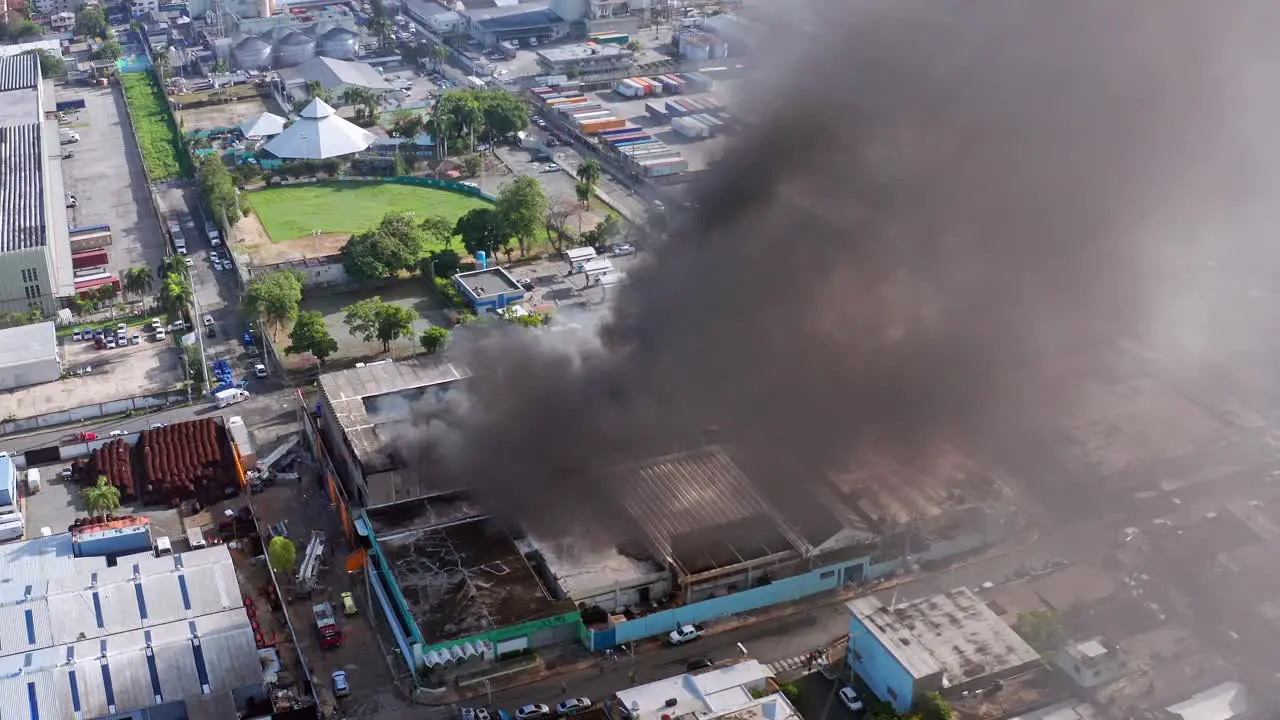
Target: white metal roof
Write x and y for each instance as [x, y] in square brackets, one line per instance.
[319, 133]
[264, 125]
[709, 692]
[21, 345]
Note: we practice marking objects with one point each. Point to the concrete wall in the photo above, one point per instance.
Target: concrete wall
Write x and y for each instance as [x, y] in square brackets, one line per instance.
[89, 412]
[30, 372]
[882, 672]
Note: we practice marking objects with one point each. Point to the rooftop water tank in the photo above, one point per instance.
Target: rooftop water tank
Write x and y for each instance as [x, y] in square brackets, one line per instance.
[294, 49]
[251, 53]
[339, 43]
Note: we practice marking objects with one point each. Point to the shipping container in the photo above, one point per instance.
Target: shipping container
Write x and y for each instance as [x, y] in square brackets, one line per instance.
[88, 259]
[620, 131]
[595, 126]
[592, 115]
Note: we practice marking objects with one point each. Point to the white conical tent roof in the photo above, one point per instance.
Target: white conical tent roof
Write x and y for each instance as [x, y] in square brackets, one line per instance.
[319, 133]
[265, 125]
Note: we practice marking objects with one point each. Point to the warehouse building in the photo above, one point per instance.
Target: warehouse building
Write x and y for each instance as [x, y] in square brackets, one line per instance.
[361, 411]
[29, 356]
[35, 250]
[738, 690]
[457, 587]
[584, 59]
[157, 636]
[946, 643]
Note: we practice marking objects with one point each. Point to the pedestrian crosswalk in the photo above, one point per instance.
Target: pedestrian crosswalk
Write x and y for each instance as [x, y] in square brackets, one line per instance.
[791, 664]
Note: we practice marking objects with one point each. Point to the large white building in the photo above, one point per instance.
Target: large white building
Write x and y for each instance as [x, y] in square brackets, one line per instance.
[35, 251]
[29, 356]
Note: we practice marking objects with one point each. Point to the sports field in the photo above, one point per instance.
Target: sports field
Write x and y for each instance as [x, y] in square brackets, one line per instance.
[302, 210]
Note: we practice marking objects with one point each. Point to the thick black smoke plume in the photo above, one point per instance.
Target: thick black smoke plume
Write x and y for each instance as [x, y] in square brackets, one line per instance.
[941, 216]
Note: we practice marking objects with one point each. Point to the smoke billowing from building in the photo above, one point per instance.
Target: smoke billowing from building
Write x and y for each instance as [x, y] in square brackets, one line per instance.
[944, 216]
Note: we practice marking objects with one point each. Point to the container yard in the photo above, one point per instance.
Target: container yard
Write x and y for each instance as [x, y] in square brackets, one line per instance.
[657, 126]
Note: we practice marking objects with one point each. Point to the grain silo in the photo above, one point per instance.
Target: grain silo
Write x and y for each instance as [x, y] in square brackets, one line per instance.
[251, 53]
[294, 49]
[339, 44]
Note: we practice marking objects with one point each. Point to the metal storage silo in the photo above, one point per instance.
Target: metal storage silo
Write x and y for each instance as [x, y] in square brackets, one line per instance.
[339, 44]
[276, 32]
[294, 49]
[251, 53]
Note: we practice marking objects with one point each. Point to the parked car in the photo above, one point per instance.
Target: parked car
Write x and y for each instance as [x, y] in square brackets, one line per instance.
[550, 168]
[850, 699]
[157, 426]
[111, 343]
[348, 604]
[527, 284]
[188, 261]
[208, 320]
[535, 710]
[136, 339]
[340, 686]
[118, 433]
[160, 334]
[684, 634]
[122, 329]
[75, 334]
[573, 706]
[622, 249]
[470, 713]
[259, 370]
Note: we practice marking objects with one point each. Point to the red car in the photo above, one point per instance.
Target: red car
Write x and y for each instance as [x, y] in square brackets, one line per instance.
[86, 436]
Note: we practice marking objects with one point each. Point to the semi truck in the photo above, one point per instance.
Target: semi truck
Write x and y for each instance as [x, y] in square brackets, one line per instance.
[327, 626]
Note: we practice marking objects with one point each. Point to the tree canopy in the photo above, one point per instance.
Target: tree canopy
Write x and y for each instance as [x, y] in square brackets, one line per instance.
[138, 280]
[1042, 629]
[372, 319]
[108, 50]
[482, 229]
[522, 207]
[92, 22]
[310, 335]
[102, 498]
[433, 339]
[51, 64]
[282, 554]
[395, 244]
[275, 297]
[486, 113]
[218, 190]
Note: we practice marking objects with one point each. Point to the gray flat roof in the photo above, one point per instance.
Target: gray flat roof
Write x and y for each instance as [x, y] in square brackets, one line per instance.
[347, 391]
[582, 52]
[491, 281]
[25, 343]
[955, 634]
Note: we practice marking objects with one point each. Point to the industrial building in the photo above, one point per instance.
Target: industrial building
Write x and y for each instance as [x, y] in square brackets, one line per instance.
[458, 588]
[335, 77]
[160, 636]
[583, 59]
[489, 290]
[1091, 662]
[362, 409]
[724, 692]
[946, 643]
[29, 355]
[35, 250]
[491, 22]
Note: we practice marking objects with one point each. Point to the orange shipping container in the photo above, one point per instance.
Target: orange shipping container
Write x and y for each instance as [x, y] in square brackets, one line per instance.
[592, 127]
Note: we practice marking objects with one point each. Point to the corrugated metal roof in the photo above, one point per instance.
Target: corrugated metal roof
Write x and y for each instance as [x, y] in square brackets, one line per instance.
[22, 208]
[25, 343]
[19, 72]
[33, 562]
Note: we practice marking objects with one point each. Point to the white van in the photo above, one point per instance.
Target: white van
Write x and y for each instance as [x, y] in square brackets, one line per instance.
[195, 538]
[33, 481]
[163, 546]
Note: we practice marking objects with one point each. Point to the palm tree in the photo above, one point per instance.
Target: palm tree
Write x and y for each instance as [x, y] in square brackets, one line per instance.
[364, 97]
[583, 190]
[175, 294]
[102, 499]
[589, 172]
[440, 53]
[138, 281]
[161, 58]
[382, 29]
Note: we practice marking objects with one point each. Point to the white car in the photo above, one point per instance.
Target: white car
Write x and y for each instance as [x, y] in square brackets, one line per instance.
[535, 710]
[260, 370]
[188, 261]
[550, 168]
[622, 249]
[573, 706]
[208, 320]
[160, 334]
[118, 433]
[111, 343]
[136, 339]
[850, 699]
[684, 634]
[340, 686]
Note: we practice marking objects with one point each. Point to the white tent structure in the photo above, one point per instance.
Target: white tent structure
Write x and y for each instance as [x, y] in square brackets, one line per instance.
[265, 125]
[318, 134]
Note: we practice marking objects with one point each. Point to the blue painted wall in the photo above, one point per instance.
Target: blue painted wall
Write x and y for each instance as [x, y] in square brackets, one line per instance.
[126, 543]
[879, 668]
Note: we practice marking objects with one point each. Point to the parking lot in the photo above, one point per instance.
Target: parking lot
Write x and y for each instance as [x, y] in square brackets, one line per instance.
[58, 504]
[116, 374]
[105, 175]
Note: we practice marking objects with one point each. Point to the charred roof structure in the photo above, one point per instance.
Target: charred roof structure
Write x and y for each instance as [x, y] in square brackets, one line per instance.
[363, 407]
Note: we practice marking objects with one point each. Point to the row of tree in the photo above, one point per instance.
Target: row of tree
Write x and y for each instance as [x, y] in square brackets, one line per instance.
[218, 190]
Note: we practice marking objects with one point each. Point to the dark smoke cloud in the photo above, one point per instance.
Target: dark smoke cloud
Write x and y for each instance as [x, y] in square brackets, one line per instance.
[944, 216]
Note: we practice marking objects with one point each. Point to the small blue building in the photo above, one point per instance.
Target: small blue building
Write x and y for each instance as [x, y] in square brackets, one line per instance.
[946, 643]
[489, 290]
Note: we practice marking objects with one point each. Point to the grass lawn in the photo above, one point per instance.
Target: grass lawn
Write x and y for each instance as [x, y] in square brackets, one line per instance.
[157, 136]
[299, 210]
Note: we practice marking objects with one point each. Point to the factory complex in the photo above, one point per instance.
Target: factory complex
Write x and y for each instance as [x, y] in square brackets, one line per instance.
[462, 588]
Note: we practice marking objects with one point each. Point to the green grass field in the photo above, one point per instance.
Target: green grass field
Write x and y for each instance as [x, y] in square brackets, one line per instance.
[299, 210]
[157, 136]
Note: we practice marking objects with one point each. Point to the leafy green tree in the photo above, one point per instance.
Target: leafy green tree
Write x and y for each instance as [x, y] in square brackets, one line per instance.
[218, 190]
[434, 339]
[440, 263]
[275, 297]
[589, 173]
[310, 335]
[365, 100]
[108, 50]
[583, 192]
[138, 281]
[482, 229]
[383, 251]
[92, 22]
[381, 28]
[440, 53]
[603, 233]
[438, 230]
[220, 67]
[407, 124]
[107, 293]
[522, 205]
[18, 29]
[372, 319]
[933, 707]
[282, 554]
[503, 112]
[51, 64]
[101, 499]
[1042, 629]
[472, 164]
